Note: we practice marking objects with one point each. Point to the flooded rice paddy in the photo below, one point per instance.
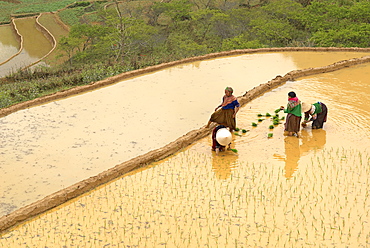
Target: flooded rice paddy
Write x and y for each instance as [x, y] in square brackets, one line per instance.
[36, 45]
[52, 146]
[281, 191]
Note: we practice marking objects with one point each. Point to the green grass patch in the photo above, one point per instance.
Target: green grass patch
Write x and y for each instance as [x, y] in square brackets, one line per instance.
[71, 16]
[27, 85]
[30, 6]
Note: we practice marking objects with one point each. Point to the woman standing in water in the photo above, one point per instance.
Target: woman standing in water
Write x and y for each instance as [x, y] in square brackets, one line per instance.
[293, 119]
[226, 115]
[318, 112]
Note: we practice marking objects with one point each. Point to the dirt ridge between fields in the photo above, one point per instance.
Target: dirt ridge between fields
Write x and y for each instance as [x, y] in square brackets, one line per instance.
[77, 189]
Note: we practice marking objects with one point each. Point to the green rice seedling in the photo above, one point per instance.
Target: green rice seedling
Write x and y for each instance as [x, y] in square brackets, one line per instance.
[269, 135]
[254, 124]
[268, 114]
[271, 127]
[234, 150]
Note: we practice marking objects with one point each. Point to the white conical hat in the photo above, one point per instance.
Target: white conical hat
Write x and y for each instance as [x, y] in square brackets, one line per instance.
[306, 107]
[223, 137]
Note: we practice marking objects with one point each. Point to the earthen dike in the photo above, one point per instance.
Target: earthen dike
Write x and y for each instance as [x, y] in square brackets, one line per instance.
[86, 185]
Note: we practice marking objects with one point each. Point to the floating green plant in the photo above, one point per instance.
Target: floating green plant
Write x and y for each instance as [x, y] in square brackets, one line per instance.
[271, 127]
[254, 124]
[234, 150]
[269, 135]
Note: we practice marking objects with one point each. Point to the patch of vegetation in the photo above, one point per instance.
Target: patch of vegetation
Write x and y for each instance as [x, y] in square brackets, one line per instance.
[42, 6]
[79, 4]
[28, 85]
[71, 16]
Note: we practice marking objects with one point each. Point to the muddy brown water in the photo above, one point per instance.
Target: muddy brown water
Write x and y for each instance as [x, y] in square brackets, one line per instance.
[49, 21]
[52, 146]
[279, 192]
[8, 43]
[36, 45]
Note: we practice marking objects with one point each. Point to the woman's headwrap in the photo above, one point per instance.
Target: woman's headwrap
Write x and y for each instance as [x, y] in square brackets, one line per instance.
[229, 89]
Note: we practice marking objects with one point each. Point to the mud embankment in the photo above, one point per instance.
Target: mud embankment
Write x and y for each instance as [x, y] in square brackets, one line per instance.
[84, 186]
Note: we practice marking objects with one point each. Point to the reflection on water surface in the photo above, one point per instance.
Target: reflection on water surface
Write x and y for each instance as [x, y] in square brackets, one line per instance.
[9, 45]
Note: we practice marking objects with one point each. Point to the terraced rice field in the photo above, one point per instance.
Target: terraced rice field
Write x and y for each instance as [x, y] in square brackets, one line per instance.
[282, 191]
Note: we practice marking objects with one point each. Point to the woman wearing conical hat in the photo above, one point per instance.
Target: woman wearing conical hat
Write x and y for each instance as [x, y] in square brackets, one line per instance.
[221, 138]
[317, 113]
[294, 115]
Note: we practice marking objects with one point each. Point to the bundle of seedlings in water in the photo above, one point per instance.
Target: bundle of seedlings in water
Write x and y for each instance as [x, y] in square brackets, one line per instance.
[277, 110]
[268, 114]
[269, 135]
[234, 150]
[235, 133]
[275, 120]
[282, 118]
[237, 129]
[259, 120]
[271, 127]
[244, 131]
[254, 124]
[259, 115]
